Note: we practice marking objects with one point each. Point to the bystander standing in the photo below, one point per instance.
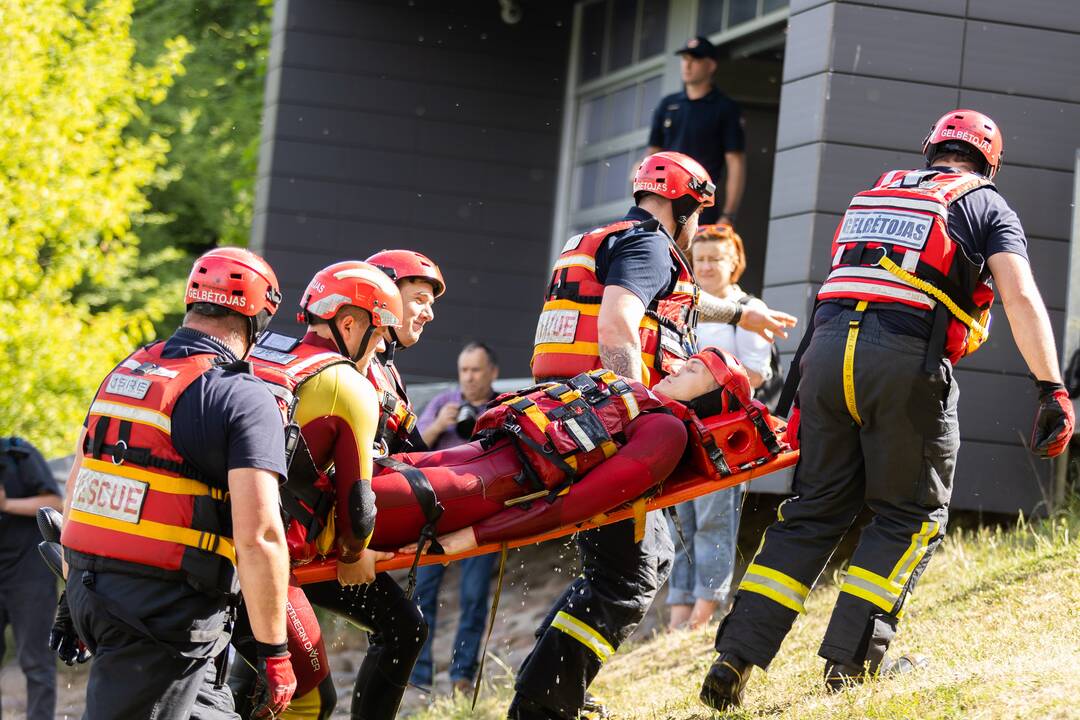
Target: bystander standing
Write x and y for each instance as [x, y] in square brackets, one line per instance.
[27, 588]
[447, 421]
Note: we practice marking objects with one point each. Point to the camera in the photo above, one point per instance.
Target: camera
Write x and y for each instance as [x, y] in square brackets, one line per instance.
[466, 420]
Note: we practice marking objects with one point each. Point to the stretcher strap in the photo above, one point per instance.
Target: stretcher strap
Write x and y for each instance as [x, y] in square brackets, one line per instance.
[849, 363]
[491, 622]
[207, 541]
[974, 325]
[429, 504]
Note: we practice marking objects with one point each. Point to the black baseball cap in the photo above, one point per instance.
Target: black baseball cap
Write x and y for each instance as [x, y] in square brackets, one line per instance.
[698, 47]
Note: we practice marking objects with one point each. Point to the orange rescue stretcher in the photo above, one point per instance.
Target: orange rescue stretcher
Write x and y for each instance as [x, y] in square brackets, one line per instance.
[683, 485]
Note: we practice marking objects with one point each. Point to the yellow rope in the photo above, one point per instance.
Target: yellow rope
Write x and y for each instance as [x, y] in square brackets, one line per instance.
[977, 329]
[849, 364]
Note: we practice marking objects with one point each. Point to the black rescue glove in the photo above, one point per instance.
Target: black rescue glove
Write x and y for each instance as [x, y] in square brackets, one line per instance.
[275, 683]
[1054, 422]
[63, 639]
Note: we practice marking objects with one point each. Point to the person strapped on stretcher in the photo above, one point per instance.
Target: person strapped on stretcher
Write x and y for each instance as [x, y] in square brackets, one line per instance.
[558, 454]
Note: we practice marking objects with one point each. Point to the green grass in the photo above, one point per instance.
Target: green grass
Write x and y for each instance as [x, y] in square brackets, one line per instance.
[997, 613]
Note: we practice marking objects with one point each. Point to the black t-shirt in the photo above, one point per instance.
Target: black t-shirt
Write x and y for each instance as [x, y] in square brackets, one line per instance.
[227, 418]
[983, 224]
[24, 474]
[704, 129]
[638, 259]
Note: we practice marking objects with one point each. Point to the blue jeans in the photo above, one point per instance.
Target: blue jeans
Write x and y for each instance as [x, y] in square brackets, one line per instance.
[475, 589]
[710, 526]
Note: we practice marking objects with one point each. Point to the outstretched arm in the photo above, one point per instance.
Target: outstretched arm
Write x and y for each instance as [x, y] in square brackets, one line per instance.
[1027, 314]
[756, 316]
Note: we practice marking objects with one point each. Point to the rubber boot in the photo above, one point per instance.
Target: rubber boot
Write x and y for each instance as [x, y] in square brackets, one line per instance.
[726, 681]
[841, 675]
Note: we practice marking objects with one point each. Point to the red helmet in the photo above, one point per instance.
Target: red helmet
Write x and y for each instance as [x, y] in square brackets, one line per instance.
[673, 176]
[402, 264]
[352, 283]
[970, 128]
[728, 372]
[236, 279]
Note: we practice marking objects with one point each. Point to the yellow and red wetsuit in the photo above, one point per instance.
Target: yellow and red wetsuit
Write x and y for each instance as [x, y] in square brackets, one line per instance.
[337, 412]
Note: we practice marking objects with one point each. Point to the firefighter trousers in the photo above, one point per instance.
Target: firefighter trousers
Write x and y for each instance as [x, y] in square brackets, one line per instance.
[877, 430]
[596, 613]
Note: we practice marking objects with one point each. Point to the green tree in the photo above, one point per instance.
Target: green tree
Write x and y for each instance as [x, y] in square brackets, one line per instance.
[75, 161]
[211, 118]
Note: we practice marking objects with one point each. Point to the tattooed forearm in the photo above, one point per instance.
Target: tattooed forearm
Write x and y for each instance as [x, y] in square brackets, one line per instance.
[714, 309]
[622, 360]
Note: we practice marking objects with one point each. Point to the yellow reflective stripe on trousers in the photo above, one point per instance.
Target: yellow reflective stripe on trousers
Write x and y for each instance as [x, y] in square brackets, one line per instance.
[776, 586]
[849, 364]
[583, 634]
[914, 554]
[160, 531]
[872, 588]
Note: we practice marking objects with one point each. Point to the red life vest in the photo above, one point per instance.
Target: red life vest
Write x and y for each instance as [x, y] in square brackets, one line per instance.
[396, 418]
[285, 363]
[566, 342]
[893, 246]
[563, 430]
[136, 500]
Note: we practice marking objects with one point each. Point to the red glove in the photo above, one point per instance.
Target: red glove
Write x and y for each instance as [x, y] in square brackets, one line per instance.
[1054, 422]
[275, 684]
[791, 432]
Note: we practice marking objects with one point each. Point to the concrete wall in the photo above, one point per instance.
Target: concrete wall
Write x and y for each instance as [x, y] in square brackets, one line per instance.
[426, 125]
[862, 82]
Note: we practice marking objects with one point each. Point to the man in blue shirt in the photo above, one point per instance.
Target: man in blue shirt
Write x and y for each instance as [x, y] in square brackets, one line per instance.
[443, 424]
[705, 124]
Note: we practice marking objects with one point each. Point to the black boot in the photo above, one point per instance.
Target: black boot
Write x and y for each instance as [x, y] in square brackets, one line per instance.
[522, 708]
[841, 675]
[724, 685]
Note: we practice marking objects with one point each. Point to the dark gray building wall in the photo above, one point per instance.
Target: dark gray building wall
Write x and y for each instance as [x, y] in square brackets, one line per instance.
[421, 124]
[862, 83]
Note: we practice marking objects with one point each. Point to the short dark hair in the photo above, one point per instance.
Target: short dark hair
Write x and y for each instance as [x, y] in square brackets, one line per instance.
[477, 345]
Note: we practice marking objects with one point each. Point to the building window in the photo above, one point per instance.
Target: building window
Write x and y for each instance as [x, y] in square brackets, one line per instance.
[619, 33]
[718, 15]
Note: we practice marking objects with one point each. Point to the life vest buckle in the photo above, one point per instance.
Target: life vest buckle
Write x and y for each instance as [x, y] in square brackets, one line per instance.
[119, 452]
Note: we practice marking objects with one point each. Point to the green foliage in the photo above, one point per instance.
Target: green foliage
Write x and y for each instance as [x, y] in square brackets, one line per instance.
[75, 158]
[211, 120]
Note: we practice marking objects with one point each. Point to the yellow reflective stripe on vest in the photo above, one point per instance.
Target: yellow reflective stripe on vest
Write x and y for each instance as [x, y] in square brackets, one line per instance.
[980, 332]
[849, 364]
[584, 634]
[583, 308]
[582, 348]
[776, 586]
[873, 588]
[209, 542]
[141, 415]
[582, 260]
[157, 483]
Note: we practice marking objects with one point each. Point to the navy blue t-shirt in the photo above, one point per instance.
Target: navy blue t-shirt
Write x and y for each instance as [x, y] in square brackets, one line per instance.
[704, 129]
[23, 473]
[983, 224]
[638, 259]
[227, 418]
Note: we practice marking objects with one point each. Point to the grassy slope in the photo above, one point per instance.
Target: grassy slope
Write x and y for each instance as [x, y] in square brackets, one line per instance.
[998, 613]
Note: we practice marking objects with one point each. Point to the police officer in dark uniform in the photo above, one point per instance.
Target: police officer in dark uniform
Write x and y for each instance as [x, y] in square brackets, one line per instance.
[908, 296]
[27, 588]
[705, 124]
[172, 506]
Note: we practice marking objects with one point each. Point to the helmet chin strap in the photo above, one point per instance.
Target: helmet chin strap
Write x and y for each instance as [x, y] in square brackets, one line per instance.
[344, 349]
